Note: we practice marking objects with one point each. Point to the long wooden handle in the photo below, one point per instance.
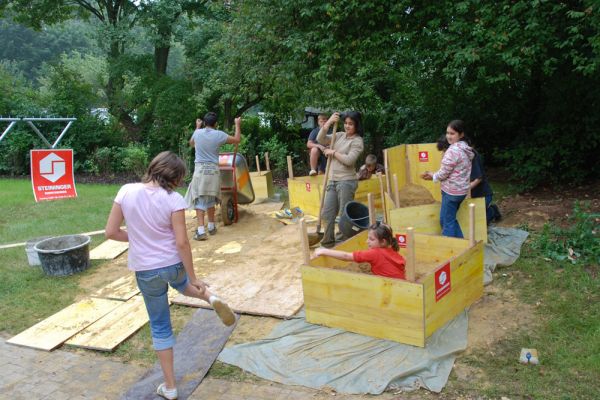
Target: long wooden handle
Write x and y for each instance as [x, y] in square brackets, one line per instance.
[326, 177]
[410, 254]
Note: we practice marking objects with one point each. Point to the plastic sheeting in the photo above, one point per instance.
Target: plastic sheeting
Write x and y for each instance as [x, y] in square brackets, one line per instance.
[503, 248]
[299, 353]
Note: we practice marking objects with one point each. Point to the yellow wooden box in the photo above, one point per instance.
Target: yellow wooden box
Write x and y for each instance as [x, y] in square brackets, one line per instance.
[406, 161]
[449, 277]
[262, 183]
[305, 192]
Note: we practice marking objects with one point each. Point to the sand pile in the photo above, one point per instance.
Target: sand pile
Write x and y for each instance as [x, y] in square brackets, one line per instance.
[414, 195]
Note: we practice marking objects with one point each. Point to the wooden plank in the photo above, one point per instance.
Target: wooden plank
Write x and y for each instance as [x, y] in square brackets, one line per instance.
[371, 305]
[262, 183]
[434, 250]
[418, 165]
[114, 328]
[396, 163]
[108, 250]
[122, 289]
[54, 330]
[466, 286]
[426, 218]
[304, 192]
[195, 351]
[261, 283]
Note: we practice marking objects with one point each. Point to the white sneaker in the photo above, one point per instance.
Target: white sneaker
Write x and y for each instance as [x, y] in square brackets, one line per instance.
[223, 311]
[169, 394]
[312, 172]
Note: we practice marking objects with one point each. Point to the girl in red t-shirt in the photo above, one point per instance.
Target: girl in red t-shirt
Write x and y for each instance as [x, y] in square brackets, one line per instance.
[382, 254]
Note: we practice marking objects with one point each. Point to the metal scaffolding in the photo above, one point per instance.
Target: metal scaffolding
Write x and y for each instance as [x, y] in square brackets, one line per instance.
[30, 121]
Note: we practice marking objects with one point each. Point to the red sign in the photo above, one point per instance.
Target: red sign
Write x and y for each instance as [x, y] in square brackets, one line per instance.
[401, 240]
[442, 282]
[52, 174]
[308, 186]
[423, 156]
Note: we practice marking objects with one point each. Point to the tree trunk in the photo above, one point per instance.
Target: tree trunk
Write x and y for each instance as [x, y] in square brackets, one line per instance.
[228, 114]
[161, 58]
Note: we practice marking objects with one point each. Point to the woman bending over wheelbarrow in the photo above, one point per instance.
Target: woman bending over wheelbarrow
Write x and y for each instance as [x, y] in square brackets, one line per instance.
[342, 182]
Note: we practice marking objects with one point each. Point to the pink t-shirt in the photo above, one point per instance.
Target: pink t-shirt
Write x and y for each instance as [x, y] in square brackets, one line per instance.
[147, 212]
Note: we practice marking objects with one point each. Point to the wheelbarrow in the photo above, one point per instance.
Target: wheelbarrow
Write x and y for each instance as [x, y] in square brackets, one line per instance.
[236, 186]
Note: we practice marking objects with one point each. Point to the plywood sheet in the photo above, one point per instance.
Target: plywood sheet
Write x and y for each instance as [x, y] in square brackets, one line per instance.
[367, 304]
[426, 218]
[114, 328]
[466, 286]
[266, 281]
[262, 183]
[123, 289]
[108, 250]
[54, 330]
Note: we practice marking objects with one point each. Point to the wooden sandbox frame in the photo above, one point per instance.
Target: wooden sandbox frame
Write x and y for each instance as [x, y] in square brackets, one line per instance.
[262, 181]
[444, 275]
[406, 162]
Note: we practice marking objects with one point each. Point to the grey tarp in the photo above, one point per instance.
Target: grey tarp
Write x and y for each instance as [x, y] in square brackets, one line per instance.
[299, 353]
[503, 248]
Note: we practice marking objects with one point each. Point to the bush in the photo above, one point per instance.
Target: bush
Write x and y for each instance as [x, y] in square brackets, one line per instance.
[134, 159]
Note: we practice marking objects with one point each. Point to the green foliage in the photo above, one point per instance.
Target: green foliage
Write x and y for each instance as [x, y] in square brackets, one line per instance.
[579, 243]
[134, 159]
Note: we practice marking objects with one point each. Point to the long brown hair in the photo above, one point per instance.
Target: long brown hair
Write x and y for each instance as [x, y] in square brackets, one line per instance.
[384, 232]
[166, 169]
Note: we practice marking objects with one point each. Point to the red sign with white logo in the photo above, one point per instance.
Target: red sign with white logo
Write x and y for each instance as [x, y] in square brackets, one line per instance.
[401, 240]
[308, 186]
[52, 174]
[423, 156]
[442, 282]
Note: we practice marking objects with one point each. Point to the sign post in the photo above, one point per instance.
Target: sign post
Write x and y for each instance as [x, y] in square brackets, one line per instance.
[52, 174]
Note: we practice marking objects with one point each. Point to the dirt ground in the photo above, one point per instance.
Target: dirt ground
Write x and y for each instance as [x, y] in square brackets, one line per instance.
[492, 318]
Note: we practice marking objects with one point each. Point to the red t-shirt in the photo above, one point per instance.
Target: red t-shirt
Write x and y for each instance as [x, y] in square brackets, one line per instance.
[384, 261]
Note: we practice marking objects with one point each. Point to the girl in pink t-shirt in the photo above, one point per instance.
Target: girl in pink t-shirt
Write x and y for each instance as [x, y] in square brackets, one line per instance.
[382, 254]
[160, 253]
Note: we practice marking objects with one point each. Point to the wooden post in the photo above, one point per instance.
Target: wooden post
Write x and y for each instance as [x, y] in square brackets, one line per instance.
[371, 209]
[267, 161]
[258, 164]
[304, 237]
[382, 197]
[472, 224]
[410, 254]
[396, 191]
[388, 181]
[407, 166]
[290, 169]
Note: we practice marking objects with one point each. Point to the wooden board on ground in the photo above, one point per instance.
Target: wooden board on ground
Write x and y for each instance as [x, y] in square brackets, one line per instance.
[196, 349]
[114, 328]
[266, 281]
[122, 289]
[265, 207]
[108, 250]
[54, 330]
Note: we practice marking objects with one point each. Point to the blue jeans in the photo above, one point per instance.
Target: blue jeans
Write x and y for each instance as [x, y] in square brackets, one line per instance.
[489, 212]
[450, 204]
[154, 285]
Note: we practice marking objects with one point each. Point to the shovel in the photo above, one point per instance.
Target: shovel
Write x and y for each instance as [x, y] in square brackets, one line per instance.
[314, 238]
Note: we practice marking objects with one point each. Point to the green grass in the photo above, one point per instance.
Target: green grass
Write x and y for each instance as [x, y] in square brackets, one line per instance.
[565, 325]
[27, 295]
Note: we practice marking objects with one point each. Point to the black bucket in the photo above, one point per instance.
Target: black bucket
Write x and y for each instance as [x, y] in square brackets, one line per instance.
[64, 255]
[354, 218]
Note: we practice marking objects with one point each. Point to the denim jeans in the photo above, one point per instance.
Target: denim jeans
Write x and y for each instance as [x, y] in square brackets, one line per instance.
[337, 195]
[154, 285]
[450, 204]
[489, 212]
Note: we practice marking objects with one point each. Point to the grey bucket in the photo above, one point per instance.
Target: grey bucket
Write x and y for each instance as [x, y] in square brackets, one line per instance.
[354, 218]
[32, 255]
[64, 255]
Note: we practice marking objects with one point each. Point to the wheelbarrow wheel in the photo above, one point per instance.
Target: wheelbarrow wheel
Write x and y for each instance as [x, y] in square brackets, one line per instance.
[227, 210]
